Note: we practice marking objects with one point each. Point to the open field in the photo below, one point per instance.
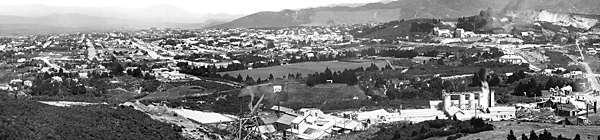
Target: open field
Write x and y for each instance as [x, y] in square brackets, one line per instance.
[501, 130]
[297, 95]
[304, 68]
[558, 59]
[6, 75]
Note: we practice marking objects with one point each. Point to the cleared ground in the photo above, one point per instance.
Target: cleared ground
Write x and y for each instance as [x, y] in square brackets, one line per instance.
[178, 92]
[304, 68]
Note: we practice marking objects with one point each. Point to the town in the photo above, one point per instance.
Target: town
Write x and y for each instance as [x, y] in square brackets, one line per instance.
[444, 79]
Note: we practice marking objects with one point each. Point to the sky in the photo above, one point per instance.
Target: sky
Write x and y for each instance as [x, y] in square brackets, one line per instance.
[193, 6]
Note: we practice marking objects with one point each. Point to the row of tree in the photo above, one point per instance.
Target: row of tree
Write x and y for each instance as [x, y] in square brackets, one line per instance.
[544, 136]
[346, 76]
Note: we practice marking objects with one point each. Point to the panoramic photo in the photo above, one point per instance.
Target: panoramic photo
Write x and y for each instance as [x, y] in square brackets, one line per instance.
[299, 69]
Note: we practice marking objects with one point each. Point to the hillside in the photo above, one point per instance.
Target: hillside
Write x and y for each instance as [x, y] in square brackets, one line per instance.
[404, 9]
[399, 28]
[487, 22]
[26, 119]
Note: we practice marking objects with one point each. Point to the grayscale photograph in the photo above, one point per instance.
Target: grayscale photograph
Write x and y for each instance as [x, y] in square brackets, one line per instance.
[299, 69]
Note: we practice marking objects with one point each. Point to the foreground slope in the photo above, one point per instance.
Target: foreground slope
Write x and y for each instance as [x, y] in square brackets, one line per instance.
[25, 119]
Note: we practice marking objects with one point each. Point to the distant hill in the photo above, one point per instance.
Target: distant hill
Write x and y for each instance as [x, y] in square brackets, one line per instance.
[399, 28]
[486, 22]
[27, 19]
[64, 23]
[404, 9]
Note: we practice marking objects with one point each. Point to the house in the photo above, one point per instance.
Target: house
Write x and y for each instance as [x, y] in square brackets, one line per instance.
[284, 122]
[461, 114]
[373, 116]
[512, 59]
[4, 87]
[314, 124]
[418, 115]
[566, 110]
[285, 110]
[422, 59]
[442, 32]
[502, 113]
[28, 83]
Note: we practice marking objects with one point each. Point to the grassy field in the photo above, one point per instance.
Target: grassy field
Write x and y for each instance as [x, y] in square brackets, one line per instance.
[501, 130]
[6, 75]
[304, 68]
[558, 59]
[297, 95]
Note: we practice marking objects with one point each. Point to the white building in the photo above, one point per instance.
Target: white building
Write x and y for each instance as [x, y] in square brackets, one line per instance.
[314, 124]
[512, 59]
[502, 113]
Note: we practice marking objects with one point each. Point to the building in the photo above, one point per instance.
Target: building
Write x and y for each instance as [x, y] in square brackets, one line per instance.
[459, 33]
[314, 124]
[512, 59]
[442, 32]
[467, 107]
[502, 113]
[418, 115]
[4, 87]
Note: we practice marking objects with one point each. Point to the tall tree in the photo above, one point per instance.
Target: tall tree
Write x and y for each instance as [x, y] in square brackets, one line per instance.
[271, 77]
[239, 78]
[533, 136]
[524, 137]
[511, 136]
[577, 137]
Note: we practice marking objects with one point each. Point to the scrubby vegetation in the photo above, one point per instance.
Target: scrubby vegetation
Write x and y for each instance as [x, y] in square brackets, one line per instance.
[422, 130]
[30, 120]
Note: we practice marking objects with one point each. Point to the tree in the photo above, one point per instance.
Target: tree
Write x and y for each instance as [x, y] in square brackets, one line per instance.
[524, 137]
[271, 77]
[270, 44]
[494, 80]
[533, 136]
[373, 67]
[577, 137]
[298, 75]
[479, 76]
[534, 88]
[116, 68]
[511, 136]
[249, 80]
[516, 76]
[239, 78]
[546, 135]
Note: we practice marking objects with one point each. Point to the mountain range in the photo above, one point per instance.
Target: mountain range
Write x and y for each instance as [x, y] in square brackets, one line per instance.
[25, 19]
[404, 9]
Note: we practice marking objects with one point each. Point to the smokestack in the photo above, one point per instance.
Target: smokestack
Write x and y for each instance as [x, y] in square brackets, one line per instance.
[492, 100]
[461, 101]
[595, 106]
[484, 95]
